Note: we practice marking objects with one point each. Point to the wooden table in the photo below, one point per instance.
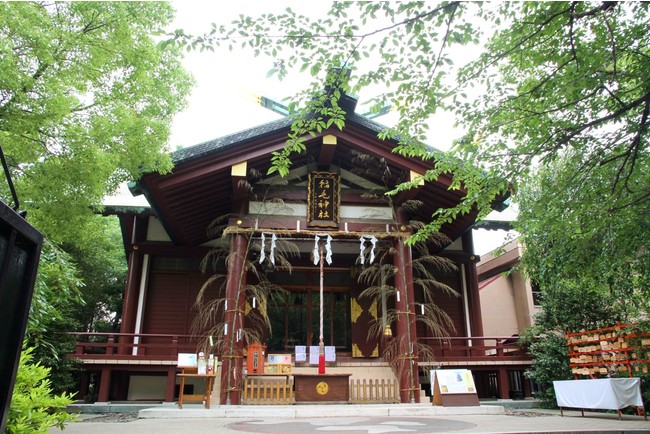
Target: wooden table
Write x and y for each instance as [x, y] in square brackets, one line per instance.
[601, 393]
[322, 387]
[209, 380]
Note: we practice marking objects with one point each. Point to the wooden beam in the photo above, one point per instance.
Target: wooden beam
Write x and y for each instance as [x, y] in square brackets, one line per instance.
[239, 188]
[327, 150]
[412, 193]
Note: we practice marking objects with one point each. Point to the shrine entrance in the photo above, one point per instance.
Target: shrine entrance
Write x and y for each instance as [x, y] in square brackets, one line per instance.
[295, 315]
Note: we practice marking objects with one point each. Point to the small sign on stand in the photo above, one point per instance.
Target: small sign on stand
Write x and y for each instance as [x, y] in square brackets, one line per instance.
[187, 360]
[453, 388]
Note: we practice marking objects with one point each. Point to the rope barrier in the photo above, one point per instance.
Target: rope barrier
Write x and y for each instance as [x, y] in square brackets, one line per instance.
[311, 233]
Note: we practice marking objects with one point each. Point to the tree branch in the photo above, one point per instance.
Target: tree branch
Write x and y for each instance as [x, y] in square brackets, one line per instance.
[603, 119]
[442, 44]
[633, 150]
[572, 39]
[510, 50]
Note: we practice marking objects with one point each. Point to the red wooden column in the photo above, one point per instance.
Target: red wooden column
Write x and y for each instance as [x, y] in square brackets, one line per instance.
[104, 384]
[131, 290]
[171, 384]
[138, 227]
[409, 383]
[473, 297]
[232, 350]
[504, 386]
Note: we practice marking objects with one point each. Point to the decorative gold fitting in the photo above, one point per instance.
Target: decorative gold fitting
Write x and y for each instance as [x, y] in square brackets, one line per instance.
[387, 331]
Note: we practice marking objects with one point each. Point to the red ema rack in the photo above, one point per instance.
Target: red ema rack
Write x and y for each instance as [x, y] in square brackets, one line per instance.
[607, 351]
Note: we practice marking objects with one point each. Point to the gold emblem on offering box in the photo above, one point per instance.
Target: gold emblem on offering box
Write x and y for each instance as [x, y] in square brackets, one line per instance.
[322, 388]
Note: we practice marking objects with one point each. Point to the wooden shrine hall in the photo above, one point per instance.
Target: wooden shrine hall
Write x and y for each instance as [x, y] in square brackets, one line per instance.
[324, 226]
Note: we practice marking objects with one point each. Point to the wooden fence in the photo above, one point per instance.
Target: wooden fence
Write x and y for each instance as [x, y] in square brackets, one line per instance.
[266, 391]
[259, 390]
[374, 391]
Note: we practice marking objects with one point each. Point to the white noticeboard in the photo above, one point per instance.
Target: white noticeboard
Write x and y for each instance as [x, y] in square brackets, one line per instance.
[454, 380]
[187, 360]
[301, 353]
[330, 354]
[314, 351]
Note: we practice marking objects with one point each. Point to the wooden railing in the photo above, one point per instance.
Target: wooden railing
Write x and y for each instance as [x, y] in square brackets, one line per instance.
[167, 347]
[374, 391]
[133, 345]
[484, 348]
[259, 390]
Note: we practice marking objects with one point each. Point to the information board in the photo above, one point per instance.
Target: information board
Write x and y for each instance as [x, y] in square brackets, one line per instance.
[330, 354]
[455, 380]
[301, 353]
[453, 388]
[187, 360]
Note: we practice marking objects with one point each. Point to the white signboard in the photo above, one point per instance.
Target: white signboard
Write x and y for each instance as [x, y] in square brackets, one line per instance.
[330, 354]
[301, 353]
[187, 360]
[454, 380]
[278, 359]
[313, 354]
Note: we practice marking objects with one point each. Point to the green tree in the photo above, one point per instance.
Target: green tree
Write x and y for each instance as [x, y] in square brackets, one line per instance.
[574, 246]
[591, 265]
[86, 102]
[552, 77]
[57, 292]
[34, 408]
[101, 263]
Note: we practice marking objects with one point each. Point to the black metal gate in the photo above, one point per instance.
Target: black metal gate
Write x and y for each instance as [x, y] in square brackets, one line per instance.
[20, 249]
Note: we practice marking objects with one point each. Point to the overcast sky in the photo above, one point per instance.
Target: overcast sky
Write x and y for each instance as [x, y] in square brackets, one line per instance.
[223, 101]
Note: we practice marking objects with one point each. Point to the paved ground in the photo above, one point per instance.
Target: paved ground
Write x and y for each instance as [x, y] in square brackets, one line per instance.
[528, 421]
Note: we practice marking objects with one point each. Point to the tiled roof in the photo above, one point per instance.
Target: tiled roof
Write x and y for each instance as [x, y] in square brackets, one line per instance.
[197, 151]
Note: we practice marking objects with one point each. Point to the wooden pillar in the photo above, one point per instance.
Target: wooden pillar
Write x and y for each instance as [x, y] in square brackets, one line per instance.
[525, 384]
[473, 297]
[171, 384]
[104, 384]
[84, 385]
[130, 304]
[407, 366]
[504, 387]
[138, 226]
[232, 352]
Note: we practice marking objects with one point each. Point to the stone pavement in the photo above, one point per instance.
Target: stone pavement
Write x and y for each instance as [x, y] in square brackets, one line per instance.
[359, 419]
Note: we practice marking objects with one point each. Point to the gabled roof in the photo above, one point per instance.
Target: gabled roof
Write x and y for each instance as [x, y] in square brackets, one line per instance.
[200, 187]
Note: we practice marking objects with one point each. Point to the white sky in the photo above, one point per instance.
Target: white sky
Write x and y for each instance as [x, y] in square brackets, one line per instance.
[226, 82]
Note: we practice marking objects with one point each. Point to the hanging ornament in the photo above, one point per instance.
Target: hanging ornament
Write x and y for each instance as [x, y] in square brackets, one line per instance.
[328, 249]
[262, 252]
[263, 248]
[272, 252]
[362, 248]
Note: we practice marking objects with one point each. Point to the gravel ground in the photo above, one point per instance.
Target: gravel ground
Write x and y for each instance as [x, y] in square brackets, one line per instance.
[108, 417]
[527, 413]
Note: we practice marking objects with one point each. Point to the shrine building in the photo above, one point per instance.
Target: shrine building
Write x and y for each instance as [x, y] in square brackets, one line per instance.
[322, 227]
